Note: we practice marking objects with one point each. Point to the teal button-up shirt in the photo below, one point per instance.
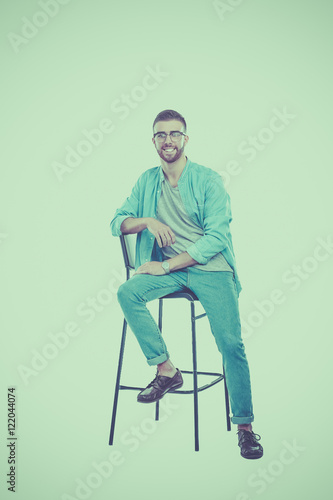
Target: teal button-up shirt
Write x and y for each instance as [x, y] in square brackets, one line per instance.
[206, 201]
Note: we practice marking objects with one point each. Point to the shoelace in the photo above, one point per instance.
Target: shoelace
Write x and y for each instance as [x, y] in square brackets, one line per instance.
[155, 382]
[248, 436]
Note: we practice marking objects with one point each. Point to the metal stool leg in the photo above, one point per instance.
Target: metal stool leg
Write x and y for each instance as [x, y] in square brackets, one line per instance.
[195, 380]
[116, 391]
[160, 312]
[227, 407]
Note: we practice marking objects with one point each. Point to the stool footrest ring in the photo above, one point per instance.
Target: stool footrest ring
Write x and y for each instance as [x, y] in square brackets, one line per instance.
[219, 378]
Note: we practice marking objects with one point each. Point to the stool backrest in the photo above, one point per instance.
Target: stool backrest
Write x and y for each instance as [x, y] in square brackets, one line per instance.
[128, 243]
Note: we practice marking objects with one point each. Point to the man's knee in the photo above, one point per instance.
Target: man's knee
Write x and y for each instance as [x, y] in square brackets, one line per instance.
[123, 292]
[230, 344]
[128, 292]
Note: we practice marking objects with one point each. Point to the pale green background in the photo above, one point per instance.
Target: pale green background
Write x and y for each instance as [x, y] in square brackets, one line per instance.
[225, 76]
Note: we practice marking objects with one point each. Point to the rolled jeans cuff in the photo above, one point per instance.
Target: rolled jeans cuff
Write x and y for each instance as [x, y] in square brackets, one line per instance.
[159, 359]
[242, 420]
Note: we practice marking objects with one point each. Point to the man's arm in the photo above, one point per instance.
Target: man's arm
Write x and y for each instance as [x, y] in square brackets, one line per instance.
[129, 209]
[216, 219]
[127, 221]
[179, 262]
[133, 225]
[163, 233]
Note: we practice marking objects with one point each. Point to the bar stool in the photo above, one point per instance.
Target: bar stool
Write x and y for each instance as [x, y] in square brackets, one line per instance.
[128, 249]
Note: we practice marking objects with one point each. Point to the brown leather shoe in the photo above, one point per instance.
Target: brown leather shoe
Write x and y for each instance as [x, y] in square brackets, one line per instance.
[160, 386]
[248, 443]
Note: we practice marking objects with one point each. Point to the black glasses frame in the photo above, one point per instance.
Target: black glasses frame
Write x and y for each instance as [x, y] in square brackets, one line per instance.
[166, 135]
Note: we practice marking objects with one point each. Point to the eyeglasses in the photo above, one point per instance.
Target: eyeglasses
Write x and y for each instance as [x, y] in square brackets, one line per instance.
[175, 136]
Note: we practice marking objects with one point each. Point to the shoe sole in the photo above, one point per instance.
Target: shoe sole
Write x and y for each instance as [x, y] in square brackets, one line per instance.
[172, 389]
[252, 458]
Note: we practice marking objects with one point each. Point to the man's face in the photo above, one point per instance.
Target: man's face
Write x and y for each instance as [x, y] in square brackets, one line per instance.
[170, 150]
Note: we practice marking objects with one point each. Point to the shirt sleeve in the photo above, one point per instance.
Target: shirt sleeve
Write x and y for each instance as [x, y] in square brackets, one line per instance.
[216, 219]
[130, 208]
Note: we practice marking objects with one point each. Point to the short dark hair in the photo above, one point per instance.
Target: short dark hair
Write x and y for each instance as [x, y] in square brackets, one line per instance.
[169, 114]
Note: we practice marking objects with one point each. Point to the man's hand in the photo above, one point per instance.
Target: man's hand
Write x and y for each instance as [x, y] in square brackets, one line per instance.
[163, 234]
[152, 267]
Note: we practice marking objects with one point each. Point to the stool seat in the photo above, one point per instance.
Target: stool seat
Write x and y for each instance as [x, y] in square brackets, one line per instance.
[186, 294]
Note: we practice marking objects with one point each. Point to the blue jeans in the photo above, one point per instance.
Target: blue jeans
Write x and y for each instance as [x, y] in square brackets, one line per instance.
[218, 295]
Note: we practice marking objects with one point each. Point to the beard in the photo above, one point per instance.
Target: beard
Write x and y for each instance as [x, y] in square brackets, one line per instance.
[175, 156]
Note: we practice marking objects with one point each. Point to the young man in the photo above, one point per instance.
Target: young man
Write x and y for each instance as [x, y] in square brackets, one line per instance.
[181, 214]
